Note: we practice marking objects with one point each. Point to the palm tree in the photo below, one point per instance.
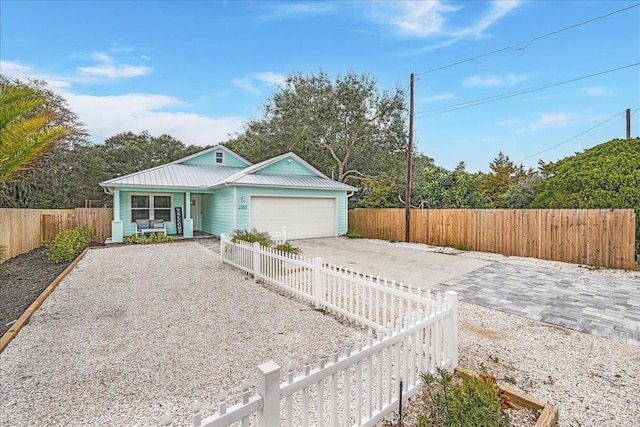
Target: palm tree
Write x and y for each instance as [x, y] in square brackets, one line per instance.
[26, 128]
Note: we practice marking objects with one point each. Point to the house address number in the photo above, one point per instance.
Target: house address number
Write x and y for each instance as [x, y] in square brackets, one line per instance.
[242, 206]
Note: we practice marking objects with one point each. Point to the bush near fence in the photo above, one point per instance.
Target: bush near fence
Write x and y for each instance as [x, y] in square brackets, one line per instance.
[22, 230]
[598, 237]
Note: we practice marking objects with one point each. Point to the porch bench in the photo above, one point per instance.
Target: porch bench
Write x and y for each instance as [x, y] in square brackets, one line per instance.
[150, 226]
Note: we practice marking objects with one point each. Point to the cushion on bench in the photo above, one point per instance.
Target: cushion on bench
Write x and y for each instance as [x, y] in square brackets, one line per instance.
[142, 224]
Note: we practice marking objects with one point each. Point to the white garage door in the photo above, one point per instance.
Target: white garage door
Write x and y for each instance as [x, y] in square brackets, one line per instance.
[304, 217]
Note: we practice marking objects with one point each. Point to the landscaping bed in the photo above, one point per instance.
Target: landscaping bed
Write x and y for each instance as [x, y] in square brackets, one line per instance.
[22, 279]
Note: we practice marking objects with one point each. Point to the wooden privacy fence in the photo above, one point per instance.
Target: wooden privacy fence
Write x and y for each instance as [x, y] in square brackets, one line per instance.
[22, 230]
[604, 237]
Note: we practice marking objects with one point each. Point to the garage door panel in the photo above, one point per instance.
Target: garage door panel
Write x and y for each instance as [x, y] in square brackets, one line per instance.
[303, 217]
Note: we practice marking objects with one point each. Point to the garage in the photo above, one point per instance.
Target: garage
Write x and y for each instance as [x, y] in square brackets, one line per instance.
[304, 217]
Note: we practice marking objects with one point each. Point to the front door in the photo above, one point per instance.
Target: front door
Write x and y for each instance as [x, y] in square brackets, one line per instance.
[195, 212]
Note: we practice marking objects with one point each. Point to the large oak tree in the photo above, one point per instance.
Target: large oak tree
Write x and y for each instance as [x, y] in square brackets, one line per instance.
[343, 126]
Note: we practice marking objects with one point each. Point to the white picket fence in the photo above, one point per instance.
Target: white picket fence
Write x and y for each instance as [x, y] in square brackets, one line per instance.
[360, 383]
[279, 237]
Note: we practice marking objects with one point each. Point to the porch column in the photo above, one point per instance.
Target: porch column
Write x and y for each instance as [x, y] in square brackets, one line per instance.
[188, 221]
[116, 225]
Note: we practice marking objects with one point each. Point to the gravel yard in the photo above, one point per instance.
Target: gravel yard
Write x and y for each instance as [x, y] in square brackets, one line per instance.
[137, 331]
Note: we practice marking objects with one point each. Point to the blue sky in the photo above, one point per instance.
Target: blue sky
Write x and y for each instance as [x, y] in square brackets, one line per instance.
[197, 70]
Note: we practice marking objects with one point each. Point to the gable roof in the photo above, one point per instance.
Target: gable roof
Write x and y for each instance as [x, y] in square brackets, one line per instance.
[214, 148]
[176, 175]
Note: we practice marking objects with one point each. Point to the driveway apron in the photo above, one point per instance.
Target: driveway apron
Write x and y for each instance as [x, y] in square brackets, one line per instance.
[597, 305]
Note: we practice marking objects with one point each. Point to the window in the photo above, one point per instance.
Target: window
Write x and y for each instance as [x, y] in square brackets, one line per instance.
[139, 207]
[150, 207]
[219, 157]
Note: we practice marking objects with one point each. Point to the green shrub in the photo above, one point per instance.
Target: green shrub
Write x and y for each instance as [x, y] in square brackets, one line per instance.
[288, 248]
[465, 402]
[353, 234]
[252, 236]
[66, 246]
[147, 238]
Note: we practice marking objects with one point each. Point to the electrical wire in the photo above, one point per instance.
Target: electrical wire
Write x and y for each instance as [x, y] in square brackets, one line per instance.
[473, 103]
[575, 136]
[533, 40]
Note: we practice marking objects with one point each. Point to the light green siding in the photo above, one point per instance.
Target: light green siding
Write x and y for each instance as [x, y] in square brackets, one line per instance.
[207, 219]
[209, 159]
[221, 211]
[243, 208]
[287, 166]
[177, 200]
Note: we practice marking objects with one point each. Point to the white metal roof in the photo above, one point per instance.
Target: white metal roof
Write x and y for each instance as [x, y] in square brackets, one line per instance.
[301, 181]
[176, 176]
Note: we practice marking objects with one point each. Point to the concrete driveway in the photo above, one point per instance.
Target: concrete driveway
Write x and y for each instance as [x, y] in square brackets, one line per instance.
[410, 266]
[598, 305]
[418, 268]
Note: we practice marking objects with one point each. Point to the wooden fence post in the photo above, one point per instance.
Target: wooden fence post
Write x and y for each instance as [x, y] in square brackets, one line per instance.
[317, 282]
[269, 390]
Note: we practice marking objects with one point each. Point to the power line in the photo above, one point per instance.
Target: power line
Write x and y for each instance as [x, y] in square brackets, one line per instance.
[473, 103]
[533, 40]
[574, 137]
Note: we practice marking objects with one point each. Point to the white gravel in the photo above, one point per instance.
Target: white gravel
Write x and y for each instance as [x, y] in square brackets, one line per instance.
[137, 331]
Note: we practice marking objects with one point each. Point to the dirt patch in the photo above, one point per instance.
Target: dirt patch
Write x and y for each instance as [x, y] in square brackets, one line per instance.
[482, 332]
[25, 278]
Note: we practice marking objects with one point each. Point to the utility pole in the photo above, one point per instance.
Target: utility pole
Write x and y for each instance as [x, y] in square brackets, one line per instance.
[407, 196]
[628, 123]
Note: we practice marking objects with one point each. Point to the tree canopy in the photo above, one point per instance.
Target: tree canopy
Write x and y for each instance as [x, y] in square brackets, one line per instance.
[440, 188]
[504, 173]
[128, 152]
[345, 127]
[605, 176]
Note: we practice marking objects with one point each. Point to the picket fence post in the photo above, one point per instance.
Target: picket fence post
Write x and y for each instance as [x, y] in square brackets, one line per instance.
[256, 260]
[451, 336]
[222, 244]
[269, 390]
[284, 234]
[317, 282]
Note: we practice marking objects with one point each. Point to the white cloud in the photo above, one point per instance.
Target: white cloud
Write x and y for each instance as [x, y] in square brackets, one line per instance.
[105, 116]
[107, 68]
[245, 83]
[433, 19]
[14, 68]
[597, 91]
[285, 10]
[552, 120]
[436, 98]
[413, 18]
[499, 8]
[510, 122]
[495, 80]
[24, 72]
[271, 78]
[257, 82]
